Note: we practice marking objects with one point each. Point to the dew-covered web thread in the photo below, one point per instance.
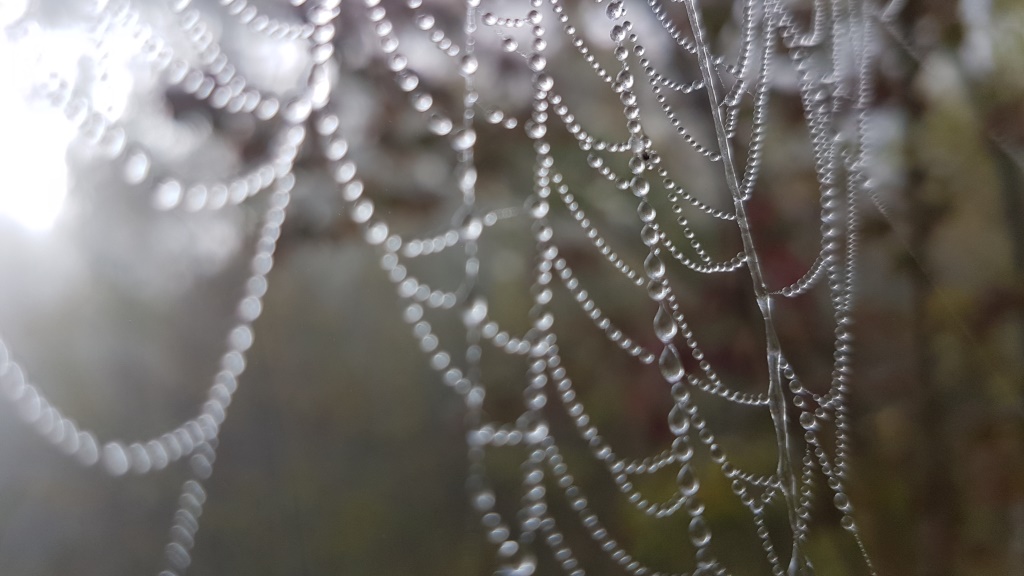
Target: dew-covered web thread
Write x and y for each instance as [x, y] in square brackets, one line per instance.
[831, 53]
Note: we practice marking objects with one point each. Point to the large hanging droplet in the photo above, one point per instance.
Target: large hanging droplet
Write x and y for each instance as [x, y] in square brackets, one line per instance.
[476, 313]
[807, 420]
[645, 211]
[468, 65]
[136, 167]
[670, 364]
[679, 420]
[654, 267]
[664, 325]
[657, 289]
[615, 10]
[545, 82]
[842, 502]
[440, 125]
[700, 533]
[649, 234]
[687, 481]
[464, 139]
[682, 450]
[618, 34]
[537, 63]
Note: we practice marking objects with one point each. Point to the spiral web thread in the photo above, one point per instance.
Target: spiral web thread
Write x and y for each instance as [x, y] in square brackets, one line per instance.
[832, 57]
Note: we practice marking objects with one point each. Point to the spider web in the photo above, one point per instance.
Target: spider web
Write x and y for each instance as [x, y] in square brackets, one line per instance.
[831, 53]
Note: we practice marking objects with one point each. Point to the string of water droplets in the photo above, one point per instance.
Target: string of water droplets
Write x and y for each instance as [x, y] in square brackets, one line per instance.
[840, 35]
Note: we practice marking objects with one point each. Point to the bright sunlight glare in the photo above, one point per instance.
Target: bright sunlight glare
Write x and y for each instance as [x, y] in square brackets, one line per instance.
[33, 145]
[36, 134]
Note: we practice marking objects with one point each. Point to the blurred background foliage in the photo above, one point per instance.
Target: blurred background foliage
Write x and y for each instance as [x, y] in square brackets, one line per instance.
[344, 454]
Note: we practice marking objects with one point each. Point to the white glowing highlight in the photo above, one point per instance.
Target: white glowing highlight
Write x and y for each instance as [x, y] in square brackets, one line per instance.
[36, 135]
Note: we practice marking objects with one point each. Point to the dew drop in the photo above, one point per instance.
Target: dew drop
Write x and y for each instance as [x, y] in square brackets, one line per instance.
[842, 502]
[425, 21]
[807, 420]
[700, 534]
[649, 235]
[637, 165]
[679, 421]
[136, 168]
[168, 195]
[618, 34]
[687, 481]
[654, 266]
[645, 211]
[408, 81]
[640, 187]
[476, 313]
[440, 125]
[670, 364]
[848, 522]
[664, 325]
[535, 130]
[469, 64]
[657, 290]
[464, 139]
[115, 459]
[545, 82]
[298, 110]
[615, 10]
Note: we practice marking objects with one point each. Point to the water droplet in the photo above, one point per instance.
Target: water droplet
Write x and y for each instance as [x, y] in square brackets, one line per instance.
[700, 533]
[136, 167]
[298, 110]
[654, 267]
[320, 86]
[615, 10]
[679, 422]
[537, 63]
[535, 130]
[476, 313]
[640, 187]
[425, 21]
[682, 450]
[625, 78]
[524, 567]
[848, 522]
[657, 289]
[807, 420]
[422, 102]
[670, 364]
[645, 211]
[483, 501]
[538, 208]
[469, 64]
[687, 481]
[618, 34]
[440, 125]
[649, 235]
[545, 82]
[408, 81]
[664, 325]
[509, 45]
[115, 459]
[637, 165]
[464, 139]
[168, 195]
[842, 502]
